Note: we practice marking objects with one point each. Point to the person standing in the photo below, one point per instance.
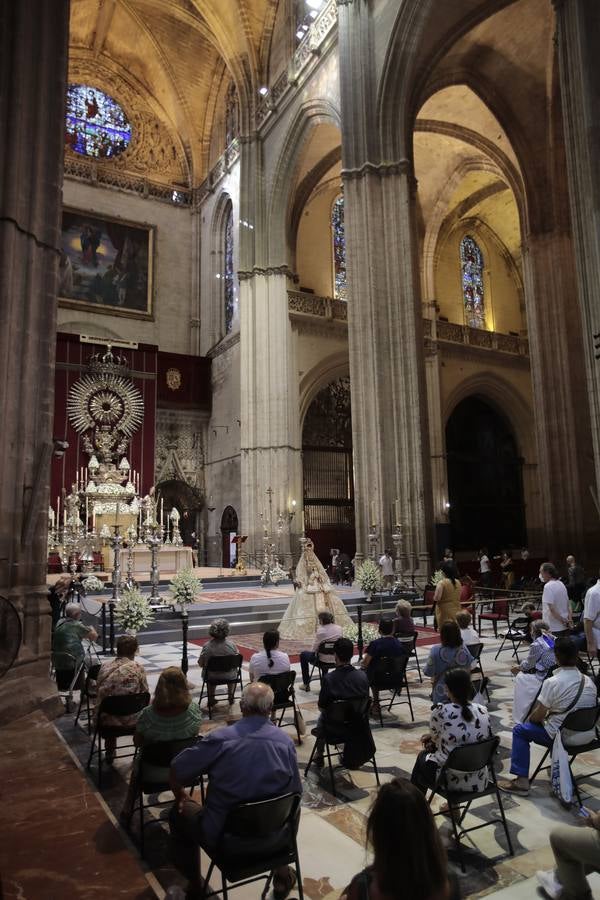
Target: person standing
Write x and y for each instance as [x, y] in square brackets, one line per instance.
[386, 564]
[447, 595]
[485, 569]
[575, 583]
[556, 609]
[591, 619]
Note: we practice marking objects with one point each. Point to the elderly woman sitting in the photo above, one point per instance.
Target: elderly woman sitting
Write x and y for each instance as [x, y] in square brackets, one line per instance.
[122, 675]
[403, 622]
[68, 653]
[218, 645]
[532, 671]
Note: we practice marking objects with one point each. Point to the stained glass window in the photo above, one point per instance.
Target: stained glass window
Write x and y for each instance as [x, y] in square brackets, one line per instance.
[95, 123]
[228, 258]
[471, 262]
[339, 249]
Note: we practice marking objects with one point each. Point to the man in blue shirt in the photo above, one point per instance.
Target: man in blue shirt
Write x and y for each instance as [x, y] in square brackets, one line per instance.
[384, 646]
[251, 760]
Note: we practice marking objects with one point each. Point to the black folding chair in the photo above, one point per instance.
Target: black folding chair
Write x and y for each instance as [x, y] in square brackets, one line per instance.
[516, 635]
[585, 719]
[159, 754]
[69, 675]
[116, 705]
[213, 671]
[342, 721]
[258, 838]
[388, 673]
[475, 651]
[323, 666]
[412, 642]
[470, 758]
[284, 694]
[88, 691]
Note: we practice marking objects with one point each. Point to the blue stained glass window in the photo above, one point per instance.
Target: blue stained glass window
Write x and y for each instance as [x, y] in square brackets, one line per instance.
[95, 123]
[228, 257]
[471, 262]
[339, 250]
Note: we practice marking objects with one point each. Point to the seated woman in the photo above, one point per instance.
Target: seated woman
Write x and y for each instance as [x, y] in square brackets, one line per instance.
[385, 645]
[122, 675]
[448, 654]
[453, 723]
[447, 595]
[529, 611]
[172, 716]
[467, 632]
[403, 623]
[218, 645]
[400, 817]
[532, 671]
[271, 660]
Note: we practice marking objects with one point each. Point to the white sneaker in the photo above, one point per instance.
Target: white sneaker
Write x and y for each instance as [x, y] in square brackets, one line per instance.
[550, 883]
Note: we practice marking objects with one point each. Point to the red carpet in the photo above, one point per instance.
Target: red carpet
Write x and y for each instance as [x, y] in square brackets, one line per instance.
[241, 594]
[248, 644]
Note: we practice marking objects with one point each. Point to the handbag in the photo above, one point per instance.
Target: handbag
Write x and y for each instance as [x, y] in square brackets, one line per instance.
[562, 782]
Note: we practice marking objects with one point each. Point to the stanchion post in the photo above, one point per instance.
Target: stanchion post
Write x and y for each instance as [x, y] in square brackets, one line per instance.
[111, 626]
[184, 655]
[103, 620]
[360, 632]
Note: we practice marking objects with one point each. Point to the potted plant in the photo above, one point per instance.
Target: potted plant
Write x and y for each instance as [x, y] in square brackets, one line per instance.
[92, 585]
[133, 612]
[185, 588]
[368, 577]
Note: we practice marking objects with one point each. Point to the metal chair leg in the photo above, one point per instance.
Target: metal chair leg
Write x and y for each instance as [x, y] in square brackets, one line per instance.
[505, 824]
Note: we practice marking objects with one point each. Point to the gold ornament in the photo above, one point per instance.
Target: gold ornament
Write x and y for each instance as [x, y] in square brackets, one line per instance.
[173, 379]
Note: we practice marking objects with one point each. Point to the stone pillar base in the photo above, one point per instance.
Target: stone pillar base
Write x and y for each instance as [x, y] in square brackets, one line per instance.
[26, 688]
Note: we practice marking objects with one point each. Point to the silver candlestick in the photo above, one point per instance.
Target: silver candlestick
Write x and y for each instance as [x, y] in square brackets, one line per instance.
[373, 537]
[154, 542]
[117, 540]
[398, 540]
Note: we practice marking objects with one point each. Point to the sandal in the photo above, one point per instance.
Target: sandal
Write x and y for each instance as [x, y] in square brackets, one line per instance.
[510, 787]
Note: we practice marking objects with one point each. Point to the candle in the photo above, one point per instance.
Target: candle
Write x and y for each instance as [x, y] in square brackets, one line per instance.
[86, 513]
[58, 509]
[64, 517]
[117, 514]
[81, 479]
[373, 520]
[93, 518]
[397, 510]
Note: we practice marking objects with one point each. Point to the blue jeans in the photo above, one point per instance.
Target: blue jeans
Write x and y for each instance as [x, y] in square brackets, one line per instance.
[523, 735]
[307, 658]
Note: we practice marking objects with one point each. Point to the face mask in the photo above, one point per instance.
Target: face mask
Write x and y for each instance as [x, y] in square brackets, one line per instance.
[541, 579]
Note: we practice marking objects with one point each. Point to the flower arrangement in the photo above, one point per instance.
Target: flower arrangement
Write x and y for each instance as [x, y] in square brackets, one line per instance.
[369, 632]
[133, 612]
[437, 576]
[92, 585]
[278, 574]
[185, 587]
[368, 576]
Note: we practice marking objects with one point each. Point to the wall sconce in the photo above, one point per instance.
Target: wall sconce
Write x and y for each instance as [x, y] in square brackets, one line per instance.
[290, 512]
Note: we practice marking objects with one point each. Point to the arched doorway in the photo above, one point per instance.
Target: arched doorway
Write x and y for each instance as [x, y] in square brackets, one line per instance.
[186, 500]
[328, 472]
[485, 481]
[229, 529]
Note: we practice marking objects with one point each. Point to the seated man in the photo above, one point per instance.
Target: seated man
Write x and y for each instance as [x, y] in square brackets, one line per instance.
[342, 683]
[577, 853]
[383, 646]
[251, 760]
[326, 631]
[67, 649]
[564, 692]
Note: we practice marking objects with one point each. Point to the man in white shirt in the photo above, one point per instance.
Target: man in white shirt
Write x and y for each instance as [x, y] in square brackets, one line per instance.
[591, 619]
[327, 631]
[556, 609]
[564, 692]
[485, 569]
[386, 564]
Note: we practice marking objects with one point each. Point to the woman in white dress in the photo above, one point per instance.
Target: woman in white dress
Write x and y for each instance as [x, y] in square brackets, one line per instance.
[314, 594]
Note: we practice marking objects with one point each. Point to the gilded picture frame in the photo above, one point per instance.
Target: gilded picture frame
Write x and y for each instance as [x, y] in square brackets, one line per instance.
[106, 264]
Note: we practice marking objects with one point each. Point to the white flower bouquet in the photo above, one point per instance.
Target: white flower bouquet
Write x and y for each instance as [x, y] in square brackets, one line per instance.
[369, 632]
[368, 576]
[92, 585]
[185, 587]
[437, 576]
[133, 612]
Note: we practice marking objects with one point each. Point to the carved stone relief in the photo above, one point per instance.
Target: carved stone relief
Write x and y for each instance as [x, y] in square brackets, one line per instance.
[181, 447]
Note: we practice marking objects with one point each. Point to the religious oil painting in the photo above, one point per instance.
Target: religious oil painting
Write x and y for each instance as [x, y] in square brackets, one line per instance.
[106, 264]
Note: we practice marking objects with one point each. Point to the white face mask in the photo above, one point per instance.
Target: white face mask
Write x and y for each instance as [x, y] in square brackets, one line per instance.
[541, 578]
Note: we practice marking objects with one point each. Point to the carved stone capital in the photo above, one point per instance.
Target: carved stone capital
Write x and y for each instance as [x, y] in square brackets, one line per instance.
[268, 270]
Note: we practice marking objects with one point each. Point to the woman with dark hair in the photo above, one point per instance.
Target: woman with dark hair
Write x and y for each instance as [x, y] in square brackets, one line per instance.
[172, 716]
[447, 595]
[400, 817]
[456, 722]
[271, 660]
[448, 654]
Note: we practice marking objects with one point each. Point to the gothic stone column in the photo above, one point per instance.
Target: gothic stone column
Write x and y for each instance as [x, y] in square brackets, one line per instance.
[578, 24]
[33, 69]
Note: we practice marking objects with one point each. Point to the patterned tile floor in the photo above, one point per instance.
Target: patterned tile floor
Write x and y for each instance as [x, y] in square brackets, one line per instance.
[332, 829]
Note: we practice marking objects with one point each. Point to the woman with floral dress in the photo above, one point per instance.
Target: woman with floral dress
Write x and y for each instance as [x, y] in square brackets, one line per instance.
[453, 724]
[122, 675]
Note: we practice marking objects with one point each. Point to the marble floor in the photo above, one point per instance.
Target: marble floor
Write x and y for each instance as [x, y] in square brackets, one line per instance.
[332, 830]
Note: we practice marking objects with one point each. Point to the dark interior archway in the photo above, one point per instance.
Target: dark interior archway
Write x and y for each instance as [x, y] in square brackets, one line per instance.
[328, 472]
[485, 481]
[188, 502]
[229, 529]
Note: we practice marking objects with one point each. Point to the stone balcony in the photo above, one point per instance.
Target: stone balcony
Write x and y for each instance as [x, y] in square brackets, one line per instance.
[438, 334]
